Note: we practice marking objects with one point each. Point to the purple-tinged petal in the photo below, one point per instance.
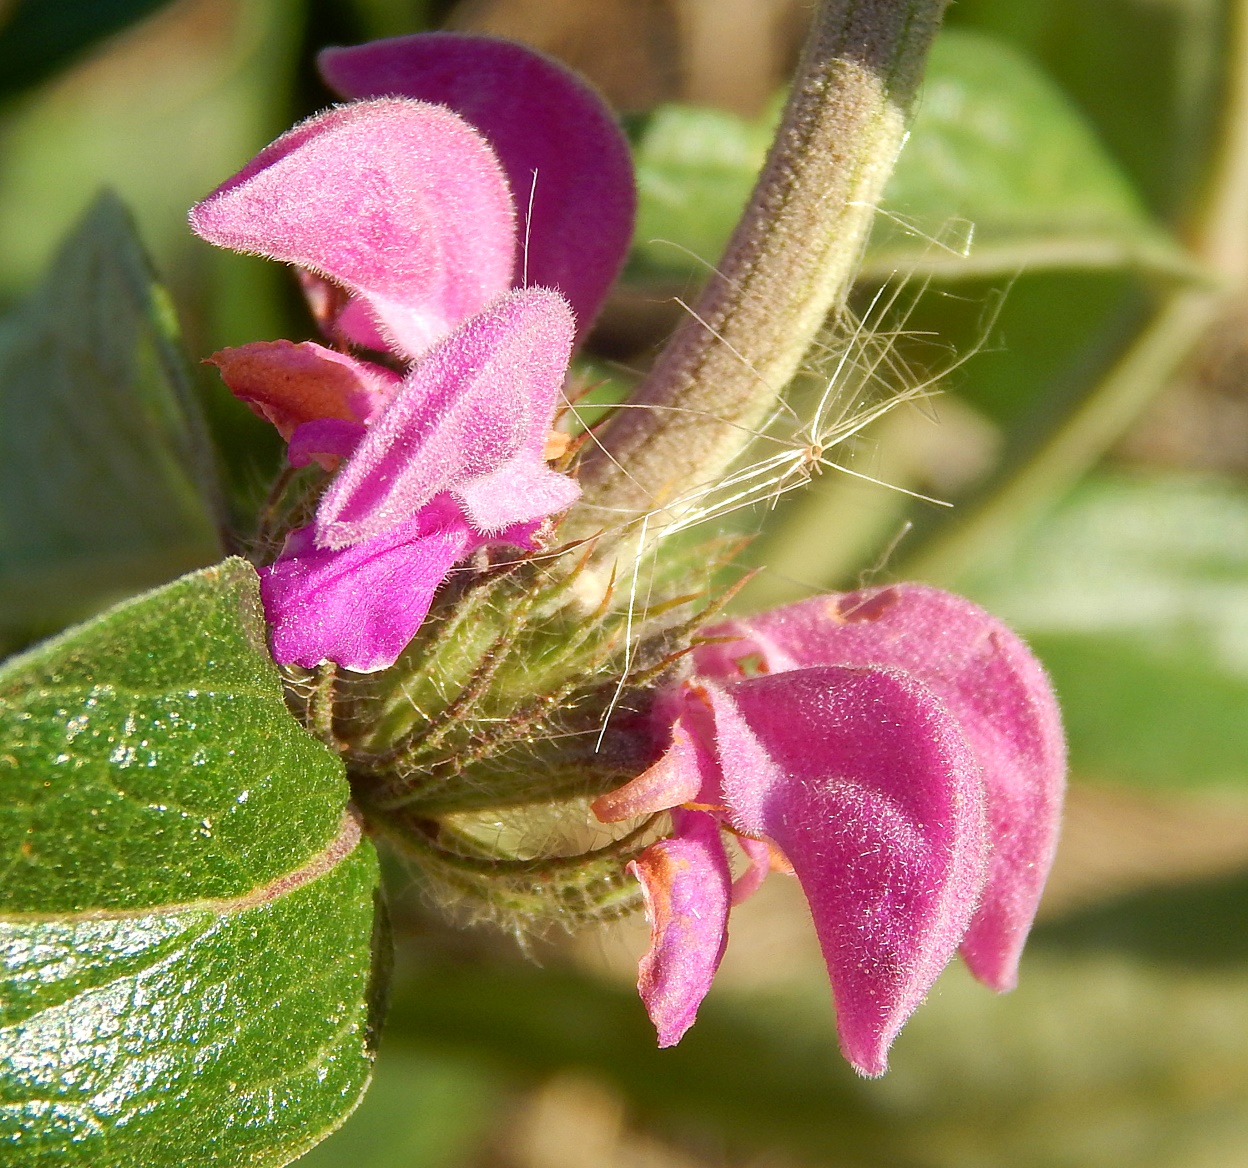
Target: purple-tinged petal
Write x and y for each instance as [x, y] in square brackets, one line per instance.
[289, 384]
[401, 203]
[478, 404]
[555, 136]
[361, 605]
[343, 320]
[681, 774]
[327, 440]
[990, 682]
[867, 785]
[686, 884]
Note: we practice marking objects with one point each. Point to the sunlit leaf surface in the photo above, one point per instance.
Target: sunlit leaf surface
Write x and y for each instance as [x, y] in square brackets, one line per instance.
[187, 917]
[1000, 174]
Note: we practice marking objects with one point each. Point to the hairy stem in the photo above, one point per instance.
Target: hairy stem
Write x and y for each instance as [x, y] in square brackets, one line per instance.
[790, 262]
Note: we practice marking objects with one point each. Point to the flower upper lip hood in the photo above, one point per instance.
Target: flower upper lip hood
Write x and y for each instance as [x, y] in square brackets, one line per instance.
[402, 220]
[903, 750]
[568, 165]
[401, 203]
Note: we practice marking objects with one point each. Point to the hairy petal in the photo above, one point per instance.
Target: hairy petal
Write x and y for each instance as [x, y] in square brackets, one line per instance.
[866, 784]
[289, 384]
[344, 320]
[399, 202]
[687, 888]
[477, 406]
[555, 136]
[360, 606]
[520, 490]
[686, 768]
[989, 681]
[760, 861]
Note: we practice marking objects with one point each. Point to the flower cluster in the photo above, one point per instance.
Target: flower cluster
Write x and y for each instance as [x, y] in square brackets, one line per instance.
[401, 218]
[898, 749]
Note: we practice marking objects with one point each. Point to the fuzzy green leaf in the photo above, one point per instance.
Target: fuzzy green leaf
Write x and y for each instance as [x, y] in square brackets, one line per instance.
[106, 481]
[1135, 595]
[187, 911]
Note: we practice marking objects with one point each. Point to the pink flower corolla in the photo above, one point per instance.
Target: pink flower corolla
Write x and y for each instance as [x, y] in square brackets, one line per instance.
[901, 751]
[452, 463]
[401, 221]
[568, 165]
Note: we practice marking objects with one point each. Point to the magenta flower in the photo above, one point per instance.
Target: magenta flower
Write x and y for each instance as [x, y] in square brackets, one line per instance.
[902, 751]
[402, 222]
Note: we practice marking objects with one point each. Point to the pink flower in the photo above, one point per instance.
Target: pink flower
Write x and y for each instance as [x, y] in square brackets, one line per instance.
[902, 751]
[402, 222]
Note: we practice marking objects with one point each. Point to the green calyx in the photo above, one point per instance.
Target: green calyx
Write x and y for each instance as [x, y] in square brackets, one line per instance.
[529, 690]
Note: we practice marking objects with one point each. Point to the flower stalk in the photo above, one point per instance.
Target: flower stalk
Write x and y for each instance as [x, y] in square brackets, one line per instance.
[791, 261]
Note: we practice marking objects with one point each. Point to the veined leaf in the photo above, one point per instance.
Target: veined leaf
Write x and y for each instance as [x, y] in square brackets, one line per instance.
[106, 481]
[1135, 595]
[1156, 98]
[187, 909]
[1000, 174]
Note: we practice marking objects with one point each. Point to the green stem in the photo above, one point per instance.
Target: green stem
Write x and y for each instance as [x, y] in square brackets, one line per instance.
[791, 261]
[1147, 367]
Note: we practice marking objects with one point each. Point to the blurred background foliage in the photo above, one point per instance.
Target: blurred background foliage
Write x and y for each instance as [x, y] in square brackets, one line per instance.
[1062, 260]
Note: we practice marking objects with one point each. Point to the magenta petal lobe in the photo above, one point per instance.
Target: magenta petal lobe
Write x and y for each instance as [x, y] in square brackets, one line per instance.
[399, 202]
[481, 400]
[685, 769]
[557, 140]
[989, 681]
[520, 490]
[866, 784]
[758, 866]
[361, 605]
[687, 888]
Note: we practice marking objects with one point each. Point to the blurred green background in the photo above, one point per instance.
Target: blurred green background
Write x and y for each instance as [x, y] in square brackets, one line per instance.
[1063, 262]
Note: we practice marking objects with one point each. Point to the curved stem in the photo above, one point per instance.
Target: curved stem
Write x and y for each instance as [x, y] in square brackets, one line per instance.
[790, 262]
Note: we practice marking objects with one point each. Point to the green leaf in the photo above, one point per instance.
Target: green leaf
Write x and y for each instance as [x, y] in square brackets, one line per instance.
[187, 910]
[106, 481]
[1000, 174]
[1135, 595]
[42, 36]
[1001, 166]
[1155, 98]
